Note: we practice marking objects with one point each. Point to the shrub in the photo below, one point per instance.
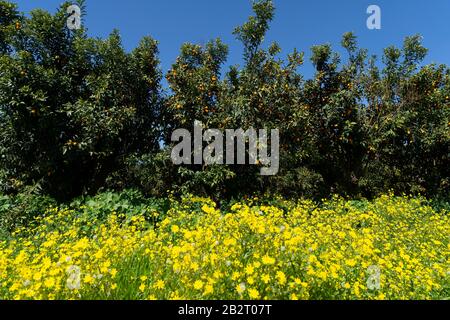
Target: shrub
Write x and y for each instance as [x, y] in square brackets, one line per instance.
[21, 209]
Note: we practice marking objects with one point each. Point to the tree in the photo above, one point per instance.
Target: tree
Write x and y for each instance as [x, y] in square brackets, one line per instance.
[407, 123]
[73, 108]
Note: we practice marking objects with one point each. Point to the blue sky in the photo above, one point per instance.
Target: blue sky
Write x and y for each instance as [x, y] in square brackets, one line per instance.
[297, 24]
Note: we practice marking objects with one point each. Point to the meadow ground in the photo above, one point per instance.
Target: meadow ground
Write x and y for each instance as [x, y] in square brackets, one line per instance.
[389, 248]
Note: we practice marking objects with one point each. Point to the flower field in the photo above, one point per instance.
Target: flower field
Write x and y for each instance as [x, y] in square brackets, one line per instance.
[389, 248]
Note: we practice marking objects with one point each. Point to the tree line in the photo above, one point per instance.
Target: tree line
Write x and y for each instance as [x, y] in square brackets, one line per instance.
[80, 114]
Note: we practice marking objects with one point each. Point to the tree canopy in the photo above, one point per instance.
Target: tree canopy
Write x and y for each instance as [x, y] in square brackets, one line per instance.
[79, 114]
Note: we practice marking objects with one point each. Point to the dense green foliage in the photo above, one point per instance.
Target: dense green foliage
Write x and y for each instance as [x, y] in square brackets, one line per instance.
[78, 115]
[73, 108]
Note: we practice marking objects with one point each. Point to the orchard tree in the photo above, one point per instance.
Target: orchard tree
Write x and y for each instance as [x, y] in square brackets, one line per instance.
[10, 22]
[334, 98]
[72, 108]
[264, 94]
[267, 94]
[407, 123]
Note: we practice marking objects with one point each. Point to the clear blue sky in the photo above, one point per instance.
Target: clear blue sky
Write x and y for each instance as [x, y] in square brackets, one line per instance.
[297, 24]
